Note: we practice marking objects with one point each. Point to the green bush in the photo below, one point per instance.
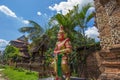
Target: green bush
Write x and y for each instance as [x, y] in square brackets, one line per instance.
[19, 74]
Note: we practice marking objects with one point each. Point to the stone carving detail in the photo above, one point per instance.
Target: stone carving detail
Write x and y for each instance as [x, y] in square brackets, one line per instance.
[114, 20]
[102, 20]
[97, 4]
[108, 20]
[110, 6]
[115, 36]
[108, 24]
[105, 43]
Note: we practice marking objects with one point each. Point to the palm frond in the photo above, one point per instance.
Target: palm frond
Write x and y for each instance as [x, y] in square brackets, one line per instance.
[90, 16]
[26, 29]
[34, 30]
[82, 13]
[36, 25]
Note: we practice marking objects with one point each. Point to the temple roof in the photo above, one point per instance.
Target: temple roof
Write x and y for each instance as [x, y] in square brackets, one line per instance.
[21, 39]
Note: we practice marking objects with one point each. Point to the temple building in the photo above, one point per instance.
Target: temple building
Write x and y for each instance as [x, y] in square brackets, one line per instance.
[22, 44]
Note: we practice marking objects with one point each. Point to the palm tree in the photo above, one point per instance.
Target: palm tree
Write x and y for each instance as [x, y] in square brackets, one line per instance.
[76, 17]
[67, 21]
[34, 30]
[82, 19]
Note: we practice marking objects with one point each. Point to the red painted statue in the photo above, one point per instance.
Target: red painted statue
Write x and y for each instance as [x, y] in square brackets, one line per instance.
[61, 51]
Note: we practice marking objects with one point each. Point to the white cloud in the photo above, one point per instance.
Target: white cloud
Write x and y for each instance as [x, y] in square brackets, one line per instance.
[3, 44]
[4, 9]
[65, 6]
[39, 13]
[7, 11]
[25, 22]
[92, 33]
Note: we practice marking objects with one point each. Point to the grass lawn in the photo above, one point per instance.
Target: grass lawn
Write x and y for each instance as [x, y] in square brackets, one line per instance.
[19, 74]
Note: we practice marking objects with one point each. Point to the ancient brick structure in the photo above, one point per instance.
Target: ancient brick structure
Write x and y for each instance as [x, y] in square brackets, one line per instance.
[108, 23]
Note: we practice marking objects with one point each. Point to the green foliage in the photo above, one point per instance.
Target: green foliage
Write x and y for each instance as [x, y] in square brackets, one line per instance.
[2, 66]
[17, 74]
[49, 56]
[19, 69]
[75, 18]
[11, 52]
[52, 34]
[67, 21]
[80, 42]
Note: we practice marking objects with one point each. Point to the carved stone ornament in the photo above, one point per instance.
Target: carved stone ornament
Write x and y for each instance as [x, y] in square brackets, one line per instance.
[110, 6]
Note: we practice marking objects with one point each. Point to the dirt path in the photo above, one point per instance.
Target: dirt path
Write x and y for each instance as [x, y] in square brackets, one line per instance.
[1, 77]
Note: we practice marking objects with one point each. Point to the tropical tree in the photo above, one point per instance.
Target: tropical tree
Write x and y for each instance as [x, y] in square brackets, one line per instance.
[67, 21]
[76, 18]
[11, 53]
[34, 30]
[82, 19]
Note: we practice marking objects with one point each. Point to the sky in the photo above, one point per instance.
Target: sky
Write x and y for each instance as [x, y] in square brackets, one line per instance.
[15, 13]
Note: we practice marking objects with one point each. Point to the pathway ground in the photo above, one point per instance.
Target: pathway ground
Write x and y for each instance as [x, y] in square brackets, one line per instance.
[1, 77]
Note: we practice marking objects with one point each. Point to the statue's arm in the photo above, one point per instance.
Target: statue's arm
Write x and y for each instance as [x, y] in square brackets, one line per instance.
[68, 48]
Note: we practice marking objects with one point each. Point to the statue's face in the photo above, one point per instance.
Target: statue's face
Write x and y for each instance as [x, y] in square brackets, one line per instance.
[60, 36]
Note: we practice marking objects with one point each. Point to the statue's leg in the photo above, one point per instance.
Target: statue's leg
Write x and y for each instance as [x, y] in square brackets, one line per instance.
[65, 69]
[59, 68]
